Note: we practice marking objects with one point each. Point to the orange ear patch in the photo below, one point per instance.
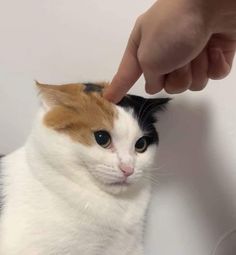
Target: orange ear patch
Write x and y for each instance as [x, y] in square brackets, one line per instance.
[77, 112]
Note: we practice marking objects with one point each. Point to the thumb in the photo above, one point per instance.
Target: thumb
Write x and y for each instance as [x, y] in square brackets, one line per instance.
[128, 72]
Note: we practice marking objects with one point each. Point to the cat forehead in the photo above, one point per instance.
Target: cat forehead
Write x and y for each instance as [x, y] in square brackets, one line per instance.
[126, 124]
[77, 110]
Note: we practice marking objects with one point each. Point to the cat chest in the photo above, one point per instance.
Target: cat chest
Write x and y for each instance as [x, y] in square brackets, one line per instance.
[76, 231]
[95, 218]
[84, 227]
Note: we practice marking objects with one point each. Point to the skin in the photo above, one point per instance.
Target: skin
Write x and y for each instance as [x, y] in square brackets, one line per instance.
[178, 45]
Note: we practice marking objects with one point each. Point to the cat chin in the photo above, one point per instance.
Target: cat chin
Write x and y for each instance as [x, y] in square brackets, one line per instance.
[113, 188]
[117, 188]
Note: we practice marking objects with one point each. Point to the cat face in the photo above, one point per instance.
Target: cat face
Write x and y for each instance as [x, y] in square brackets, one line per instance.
[115, 143]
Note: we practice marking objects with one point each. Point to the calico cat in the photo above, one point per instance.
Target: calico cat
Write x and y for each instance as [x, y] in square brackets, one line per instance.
[79, 185]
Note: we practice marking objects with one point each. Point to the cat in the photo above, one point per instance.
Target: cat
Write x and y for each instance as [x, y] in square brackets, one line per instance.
[81, 183]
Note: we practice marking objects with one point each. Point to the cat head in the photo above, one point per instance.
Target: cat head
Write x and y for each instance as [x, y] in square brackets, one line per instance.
[115, 144]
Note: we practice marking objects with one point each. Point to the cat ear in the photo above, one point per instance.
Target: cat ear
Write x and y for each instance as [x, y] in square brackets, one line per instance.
[144, 106]
[51, 95]
[156, 104]
[150, 109]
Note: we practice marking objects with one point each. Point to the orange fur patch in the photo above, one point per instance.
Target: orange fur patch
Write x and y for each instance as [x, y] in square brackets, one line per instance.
[75, 112]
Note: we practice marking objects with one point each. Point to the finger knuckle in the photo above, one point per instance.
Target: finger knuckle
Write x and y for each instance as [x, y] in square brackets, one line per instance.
[139, 20]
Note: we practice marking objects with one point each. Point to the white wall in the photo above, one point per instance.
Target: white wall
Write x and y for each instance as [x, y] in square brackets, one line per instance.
[60, 41]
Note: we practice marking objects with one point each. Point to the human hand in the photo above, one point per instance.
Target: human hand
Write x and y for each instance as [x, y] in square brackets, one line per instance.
[178, 45]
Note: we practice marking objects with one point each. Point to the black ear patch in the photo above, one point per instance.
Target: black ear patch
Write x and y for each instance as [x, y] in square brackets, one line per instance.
[91, 87]
[145, 109]
[141, 104]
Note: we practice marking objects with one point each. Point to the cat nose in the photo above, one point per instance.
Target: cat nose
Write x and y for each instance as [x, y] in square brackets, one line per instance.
[126, 169]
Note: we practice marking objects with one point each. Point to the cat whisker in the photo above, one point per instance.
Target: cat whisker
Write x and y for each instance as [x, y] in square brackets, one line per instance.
[105, 165]
[152, 180]
[151, 168]
[111, 177]
[157, 172]
[157, 167]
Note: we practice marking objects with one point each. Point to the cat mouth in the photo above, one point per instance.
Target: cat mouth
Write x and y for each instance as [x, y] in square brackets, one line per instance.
[120, 183]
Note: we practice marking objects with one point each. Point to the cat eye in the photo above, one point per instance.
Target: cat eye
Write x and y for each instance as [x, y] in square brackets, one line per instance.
[103, 138]
[141, 145]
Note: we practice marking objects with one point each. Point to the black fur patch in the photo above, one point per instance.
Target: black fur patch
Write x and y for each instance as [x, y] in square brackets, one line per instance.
[145, 110]
[91, 87]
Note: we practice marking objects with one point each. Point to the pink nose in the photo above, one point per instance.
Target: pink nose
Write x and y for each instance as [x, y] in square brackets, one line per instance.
[126, 169]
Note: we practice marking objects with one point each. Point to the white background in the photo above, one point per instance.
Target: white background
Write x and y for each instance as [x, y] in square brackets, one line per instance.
[61, 41]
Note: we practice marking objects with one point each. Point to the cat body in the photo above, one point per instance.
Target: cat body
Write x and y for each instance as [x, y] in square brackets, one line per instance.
[67, 218]
[72, 193]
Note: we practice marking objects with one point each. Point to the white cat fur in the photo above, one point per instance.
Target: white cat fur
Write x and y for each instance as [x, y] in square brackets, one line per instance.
[55, 202]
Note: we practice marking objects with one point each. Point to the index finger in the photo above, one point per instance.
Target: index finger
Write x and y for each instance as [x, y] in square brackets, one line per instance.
[128, 72]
